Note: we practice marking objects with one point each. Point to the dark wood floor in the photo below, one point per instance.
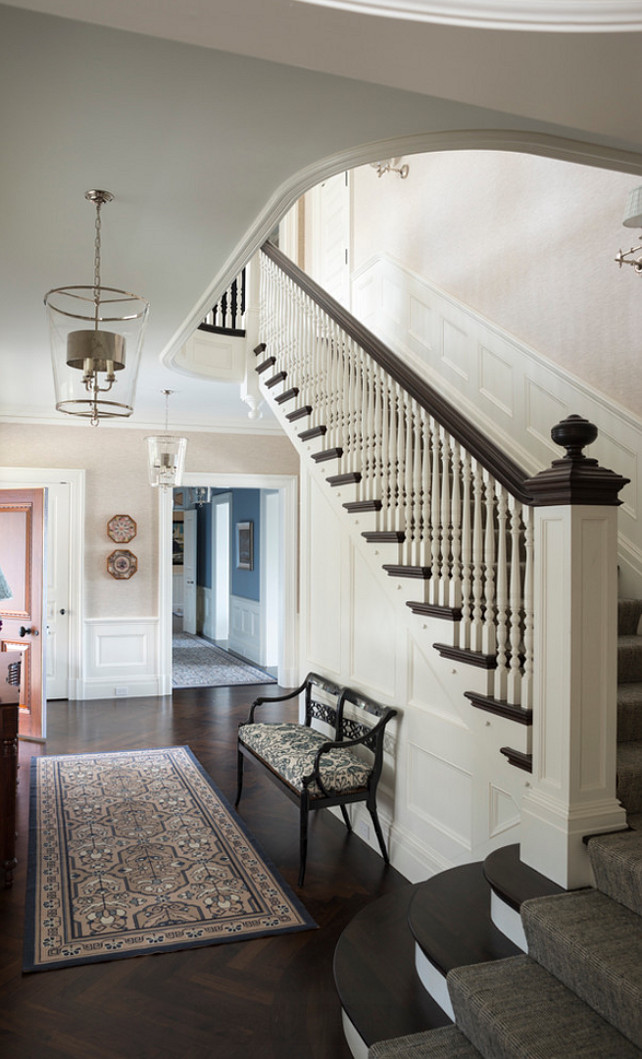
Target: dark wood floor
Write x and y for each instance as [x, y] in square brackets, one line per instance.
[273, 998]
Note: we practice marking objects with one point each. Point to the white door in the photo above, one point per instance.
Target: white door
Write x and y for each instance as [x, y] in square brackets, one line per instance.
[189, 572]
[331, 236]
[57, 593]
[221, 512]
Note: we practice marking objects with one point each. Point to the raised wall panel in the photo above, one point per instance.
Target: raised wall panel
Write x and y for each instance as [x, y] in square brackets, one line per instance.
[394, 302]
[455, 349]
[245, 627]
[373, 643]
[543, 411]
[441, 793]
[120, 653]
[420, 325]
[425, 687]
[220, 357]
[503, 811]
[323, 579]
[496, 380]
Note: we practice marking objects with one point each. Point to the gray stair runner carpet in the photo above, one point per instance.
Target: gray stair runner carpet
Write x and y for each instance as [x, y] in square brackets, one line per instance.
[447, 1042]
[515, 1008]
[594, 946]
[617, 866]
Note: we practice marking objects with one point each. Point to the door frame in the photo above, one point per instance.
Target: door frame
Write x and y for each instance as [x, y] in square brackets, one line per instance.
[220, 601]
[288, 488]
[40, 478]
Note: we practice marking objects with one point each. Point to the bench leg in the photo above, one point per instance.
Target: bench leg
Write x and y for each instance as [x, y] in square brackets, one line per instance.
[303, 839]
[239, 777]
[379, 833]
[344, 813]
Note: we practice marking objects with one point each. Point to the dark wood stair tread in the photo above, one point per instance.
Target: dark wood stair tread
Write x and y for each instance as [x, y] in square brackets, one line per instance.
[279, 377]
[397, 570]
[434, 610]
[500, 708]
[514, 881]
[287, 395]
[374, 972]
[312, 432]
[265, 364]
[299, 413]
[449, 918]
[355, 507]
[517, 758]
[463, 654]
[327, 454]
[349, 478]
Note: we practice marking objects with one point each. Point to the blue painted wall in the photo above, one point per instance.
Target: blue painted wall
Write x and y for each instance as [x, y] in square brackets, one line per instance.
[246, 507]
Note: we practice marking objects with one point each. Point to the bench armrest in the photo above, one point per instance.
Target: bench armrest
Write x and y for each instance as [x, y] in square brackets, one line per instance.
[375, 735]
[272, 698]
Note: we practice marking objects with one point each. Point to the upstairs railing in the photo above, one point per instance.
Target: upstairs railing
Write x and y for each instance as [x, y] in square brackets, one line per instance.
[457, 504]
[227, 317]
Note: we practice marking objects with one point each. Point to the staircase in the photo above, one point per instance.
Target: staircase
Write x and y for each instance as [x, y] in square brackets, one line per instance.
[578, 992]
[453, 515]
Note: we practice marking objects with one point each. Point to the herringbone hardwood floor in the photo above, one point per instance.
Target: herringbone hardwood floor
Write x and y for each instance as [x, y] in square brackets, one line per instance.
[272, 998]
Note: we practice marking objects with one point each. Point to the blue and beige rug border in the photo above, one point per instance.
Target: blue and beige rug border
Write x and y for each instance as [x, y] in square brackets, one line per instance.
[291, 916]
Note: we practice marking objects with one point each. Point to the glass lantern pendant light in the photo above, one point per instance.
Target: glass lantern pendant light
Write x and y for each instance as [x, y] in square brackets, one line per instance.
[166, 453]
[96, 341]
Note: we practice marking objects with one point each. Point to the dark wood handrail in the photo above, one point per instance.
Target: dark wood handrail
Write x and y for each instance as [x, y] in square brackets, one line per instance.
[489, 455]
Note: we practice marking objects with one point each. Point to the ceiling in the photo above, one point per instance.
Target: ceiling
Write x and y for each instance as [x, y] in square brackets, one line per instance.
[208, 118]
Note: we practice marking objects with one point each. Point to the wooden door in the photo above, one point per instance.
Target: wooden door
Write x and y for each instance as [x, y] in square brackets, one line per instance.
[189, 572]
[21, 559]
[56, 649]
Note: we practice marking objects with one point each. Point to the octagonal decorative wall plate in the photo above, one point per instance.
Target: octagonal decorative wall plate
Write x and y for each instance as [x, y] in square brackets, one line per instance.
[122, 564]
[121, 528]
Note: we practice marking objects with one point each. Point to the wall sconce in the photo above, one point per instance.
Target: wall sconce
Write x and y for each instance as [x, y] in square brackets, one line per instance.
[632, 219]
[166, 453]
[95, 367]
[391, 166]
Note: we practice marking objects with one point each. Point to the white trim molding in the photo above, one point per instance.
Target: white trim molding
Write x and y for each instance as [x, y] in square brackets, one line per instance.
[551, 16]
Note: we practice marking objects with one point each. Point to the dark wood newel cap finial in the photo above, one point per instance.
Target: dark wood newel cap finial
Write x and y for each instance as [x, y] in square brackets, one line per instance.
[575, 479]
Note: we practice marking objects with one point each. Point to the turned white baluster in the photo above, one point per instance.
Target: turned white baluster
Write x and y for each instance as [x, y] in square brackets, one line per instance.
[426, 486]
[477, 559]
[515, 594]
[435, 512]
[464, 638]
[454, 597]
[488, 638]
[529, 623]
[501, 672]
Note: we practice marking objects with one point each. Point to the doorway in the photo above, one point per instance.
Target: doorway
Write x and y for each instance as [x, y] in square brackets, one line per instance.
[281, 586]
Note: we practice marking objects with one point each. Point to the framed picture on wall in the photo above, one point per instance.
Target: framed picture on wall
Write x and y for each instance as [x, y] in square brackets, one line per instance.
[245, 545]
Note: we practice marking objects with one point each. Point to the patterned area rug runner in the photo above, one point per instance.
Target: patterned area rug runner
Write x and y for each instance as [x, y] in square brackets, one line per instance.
[196, 663]
[138, 852]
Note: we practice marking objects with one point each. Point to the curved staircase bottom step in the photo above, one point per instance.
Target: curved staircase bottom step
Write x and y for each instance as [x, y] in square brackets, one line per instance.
[375, 977]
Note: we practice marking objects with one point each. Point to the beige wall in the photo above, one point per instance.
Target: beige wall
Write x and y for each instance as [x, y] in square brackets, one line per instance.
[114, 459]
[529, 242]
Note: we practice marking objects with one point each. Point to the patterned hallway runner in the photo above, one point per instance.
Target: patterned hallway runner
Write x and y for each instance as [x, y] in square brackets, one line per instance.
[138, 852]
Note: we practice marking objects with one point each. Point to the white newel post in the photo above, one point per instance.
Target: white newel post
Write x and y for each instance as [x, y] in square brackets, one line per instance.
[575, 698]
[250, 392]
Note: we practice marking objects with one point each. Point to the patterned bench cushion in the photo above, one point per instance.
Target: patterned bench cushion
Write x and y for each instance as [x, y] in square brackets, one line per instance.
[290, 750]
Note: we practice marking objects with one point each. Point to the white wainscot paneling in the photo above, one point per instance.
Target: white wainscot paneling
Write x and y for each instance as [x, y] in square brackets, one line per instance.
[245, 627]
[503, 811]
[373, 654]
[496, 382]
[120, 658]
[322, 578]
[440, 793]
[509, 389]
[220, 357]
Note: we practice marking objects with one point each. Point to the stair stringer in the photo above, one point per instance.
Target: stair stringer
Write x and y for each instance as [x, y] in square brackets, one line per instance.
[447, 796]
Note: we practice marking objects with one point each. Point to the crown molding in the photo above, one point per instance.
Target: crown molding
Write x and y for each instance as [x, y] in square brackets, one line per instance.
[549, 16]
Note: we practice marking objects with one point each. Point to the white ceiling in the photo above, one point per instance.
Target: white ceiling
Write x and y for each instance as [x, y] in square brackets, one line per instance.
[206, 119]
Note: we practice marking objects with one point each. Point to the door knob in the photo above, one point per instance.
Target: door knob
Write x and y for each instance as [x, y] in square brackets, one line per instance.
[27, 632]
[63, 611]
